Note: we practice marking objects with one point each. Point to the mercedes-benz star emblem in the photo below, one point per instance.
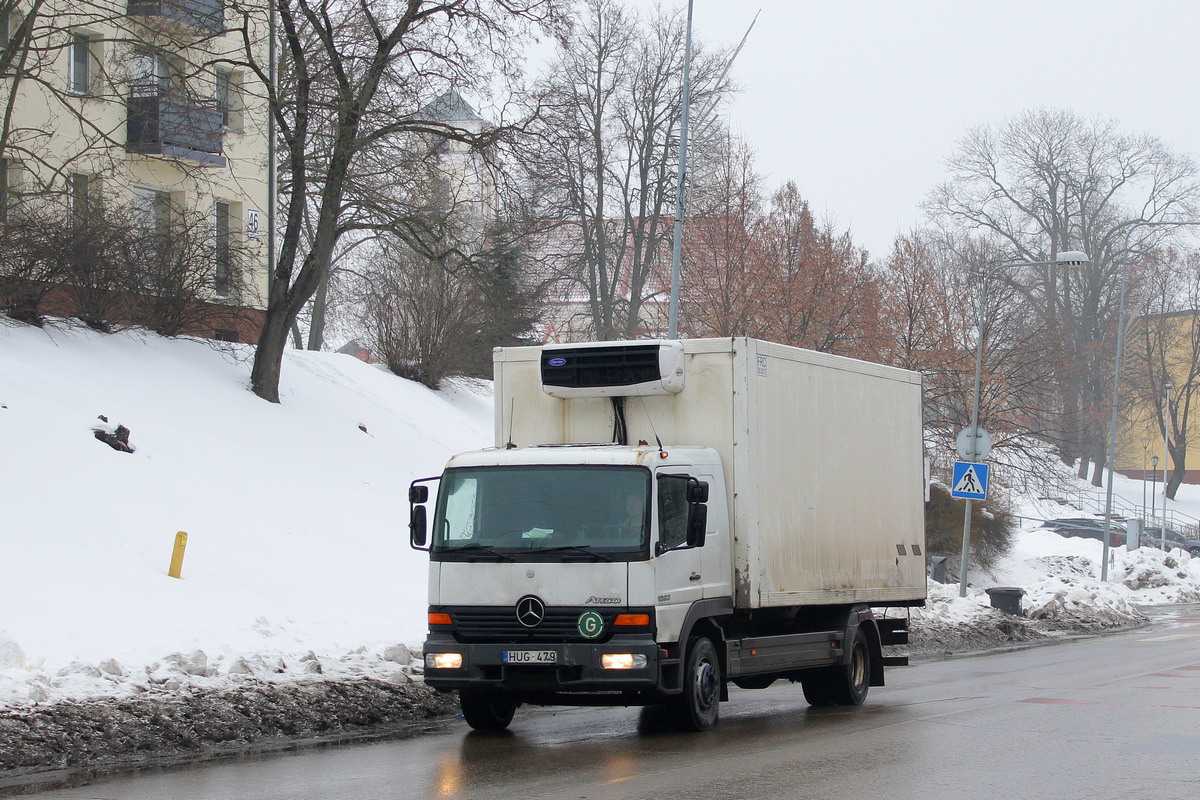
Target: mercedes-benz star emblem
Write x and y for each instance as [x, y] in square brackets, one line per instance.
[530, 611]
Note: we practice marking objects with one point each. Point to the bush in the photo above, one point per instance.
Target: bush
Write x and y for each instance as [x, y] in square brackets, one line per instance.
[107, 267]
[992, 528]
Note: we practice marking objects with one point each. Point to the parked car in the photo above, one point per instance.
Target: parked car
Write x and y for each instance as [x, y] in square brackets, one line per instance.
[1170, 539]
[1087, 528]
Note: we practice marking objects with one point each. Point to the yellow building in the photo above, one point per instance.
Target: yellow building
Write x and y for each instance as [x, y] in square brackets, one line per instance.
[150, 106]
[1160, 350]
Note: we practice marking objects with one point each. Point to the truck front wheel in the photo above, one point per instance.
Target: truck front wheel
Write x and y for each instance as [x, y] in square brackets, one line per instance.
[486, 711]
[697, 708]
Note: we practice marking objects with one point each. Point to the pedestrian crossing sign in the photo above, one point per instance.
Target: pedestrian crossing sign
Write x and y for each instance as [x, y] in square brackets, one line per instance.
[970, 480]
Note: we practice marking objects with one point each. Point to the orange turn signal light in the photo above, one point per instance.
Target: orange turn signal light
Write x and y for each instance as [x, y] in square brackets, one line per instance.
[439, 618]
[639, 620]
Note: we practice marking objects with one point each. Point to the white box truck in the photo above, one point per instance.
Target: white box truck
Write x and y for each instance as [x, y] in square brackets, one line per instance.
[661, 518]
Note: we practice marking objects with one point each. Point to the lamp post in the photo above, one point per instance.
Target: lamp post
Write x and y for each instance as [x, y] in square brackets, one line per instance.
[681, 176]
[1112, 434]
[1145, 444]
[1067, 258]
[1166, 443]
[1154, 489]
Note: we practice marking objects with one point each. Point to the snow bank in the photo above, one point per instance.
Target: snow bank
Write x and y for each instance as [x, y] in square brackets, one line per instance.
[296, 512]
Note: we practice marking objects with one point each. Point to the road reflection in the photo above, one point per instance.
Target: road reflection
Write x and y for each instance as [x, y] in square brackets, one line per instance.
[608, 746]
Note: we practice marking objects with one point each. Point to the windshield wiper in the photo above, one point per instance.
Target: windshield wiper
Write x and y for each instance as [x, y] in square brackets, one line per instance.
[586, 549]
[479, 548]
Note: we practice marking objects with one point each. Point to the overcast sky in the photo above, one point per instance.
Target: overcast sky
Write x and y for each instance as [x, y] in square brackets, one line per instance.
[860, 101]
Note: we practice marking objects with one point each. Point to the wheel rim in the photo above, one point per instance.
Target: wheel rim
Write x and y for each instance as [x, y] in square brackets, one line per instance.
[858, 668]
[705, 684]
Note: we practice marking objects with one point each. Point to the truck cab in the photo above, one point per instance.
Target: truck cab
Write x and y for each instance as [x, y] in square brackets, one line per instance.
[568, 569]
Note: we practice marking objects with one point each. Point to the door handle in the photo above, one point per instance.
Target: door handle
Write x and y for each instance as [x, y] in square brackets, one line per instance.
[695, 576]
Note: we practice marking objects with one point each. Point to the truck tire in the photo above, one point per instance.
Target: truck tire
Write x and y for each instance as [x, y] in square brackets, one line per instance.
[842, 684]
[852, 680]
[755, 681]
[486, 711]
[816, 689]
[699, 705]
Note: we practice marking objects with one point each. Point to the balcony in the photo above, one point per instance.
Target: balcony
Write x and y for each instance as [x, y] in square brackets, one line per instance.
[206, 15]
[175, 126]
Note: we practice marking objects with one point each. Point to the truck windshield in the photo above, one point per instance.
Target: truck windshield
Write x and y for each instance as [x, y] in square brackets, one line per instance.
[562, 513]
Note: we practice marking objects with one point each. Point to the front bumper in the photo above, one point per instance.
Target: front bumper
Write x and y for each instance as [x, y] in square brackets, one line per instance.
[577, 667]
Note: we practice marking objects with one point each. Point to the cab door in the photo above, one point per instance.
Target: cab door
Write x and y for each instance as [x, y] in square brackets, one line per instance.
[677, 578]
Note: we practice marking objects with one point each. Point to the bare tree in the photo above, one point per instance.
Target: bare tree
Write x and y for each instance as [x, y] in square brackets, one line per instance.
[605, 156]
[357, 78]
[823, 294]
[1048, 181]
[724, 266]
[1165, 350]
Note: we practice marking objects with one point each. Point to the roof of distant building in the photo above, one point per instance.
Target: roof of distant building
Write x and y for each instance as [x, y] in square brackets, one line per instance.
[450, 107]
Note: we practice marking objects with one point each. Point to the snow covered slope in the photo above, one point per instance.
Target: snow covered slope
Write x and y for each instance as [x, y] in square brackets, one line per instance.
[297, 559]
[296, 513]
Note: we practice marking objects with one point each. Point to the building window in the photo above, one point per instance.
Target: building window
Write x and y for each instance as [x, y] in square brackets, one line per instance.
[226, 335]
[80, 187]
[228, 98]
[223, 94]
[223, 266]
[79, 75]
[152, 211]
[154, 74]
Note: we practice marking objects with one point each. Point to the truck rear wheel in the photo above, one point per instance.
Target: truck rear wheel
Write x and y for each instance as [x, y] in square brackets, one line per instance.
[486, 711]
[842, 684]
[699, 705]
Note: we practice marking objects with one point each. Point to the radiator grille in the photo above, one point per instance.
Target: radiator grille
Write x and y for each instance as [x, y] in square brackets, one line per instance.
[473, 625]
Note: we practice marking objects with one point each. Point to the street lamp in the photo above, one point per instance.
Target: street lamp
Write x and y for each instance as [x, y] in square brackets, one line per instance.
[1112, 435]
[1145, 444]
[1067, 258]
[1167, 426]
[1154, 489]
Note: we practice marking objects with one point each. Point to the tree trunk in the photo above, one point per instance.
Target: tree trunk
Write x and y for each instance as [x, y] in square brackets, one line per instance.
[268, 357]
[316, 326]
[1179, 459]
[1084, 463]
[1101, 461]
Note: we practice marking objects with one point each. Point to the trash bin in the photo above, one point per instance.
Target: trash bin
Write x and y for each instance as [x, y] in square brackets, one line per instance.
[937, 568]
[1006, 598]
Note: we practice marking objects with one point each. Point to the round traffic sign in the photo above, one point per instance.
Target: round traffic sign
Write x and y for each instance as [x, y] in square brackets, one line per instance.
[973, 447]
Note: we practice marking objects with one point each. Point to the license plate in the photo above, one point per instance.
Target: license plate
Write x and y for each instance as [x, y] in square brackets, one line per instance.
[530, 656]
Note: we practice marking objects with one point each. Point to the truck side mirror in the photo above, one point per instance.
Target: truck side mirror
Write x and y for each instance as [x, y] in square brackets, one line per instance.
[697, 491]
[417, 525]
[418, 493]
[697, 525]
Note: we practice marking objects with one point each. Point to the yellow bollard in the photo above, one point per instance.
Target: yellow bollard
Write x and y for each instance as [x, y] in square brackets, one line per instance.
[177, 554]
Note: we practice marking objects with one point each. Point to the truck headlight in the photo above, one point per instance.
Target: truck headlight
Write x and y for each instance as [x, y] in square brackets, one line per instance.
[623, 661]
[443, 660]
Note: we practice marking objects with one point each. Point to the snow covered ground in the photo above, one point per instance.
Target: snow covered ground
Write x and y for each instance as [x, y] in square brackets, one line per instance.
[297, 555]
[297, 558]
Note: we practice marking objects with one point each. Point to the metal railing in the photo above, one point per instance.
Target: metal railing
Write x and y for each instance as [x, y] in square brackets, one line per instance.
[177, 126]
[207, 15]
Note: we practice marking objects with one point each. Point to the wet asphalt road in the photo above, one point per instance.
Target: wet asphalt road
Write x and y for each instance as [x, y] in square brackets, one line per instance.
[1111, 717]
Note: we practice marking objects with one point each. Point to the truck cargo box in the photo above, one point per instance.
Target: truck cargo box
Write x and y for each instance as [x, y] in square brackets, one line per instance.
[822, 454]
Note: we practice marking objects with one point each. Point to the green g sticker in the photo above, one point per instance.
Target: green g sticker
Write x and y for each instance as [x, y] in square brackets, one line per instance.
[591, 625]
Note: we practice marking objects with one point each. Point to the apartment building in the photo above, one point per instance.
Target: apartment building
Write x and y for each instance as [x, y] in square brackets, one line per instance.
[149, 107]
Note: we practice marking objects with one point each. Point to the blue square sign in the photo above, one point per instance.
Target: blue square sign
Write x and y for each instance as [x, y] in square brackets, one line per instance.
[970, 480]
